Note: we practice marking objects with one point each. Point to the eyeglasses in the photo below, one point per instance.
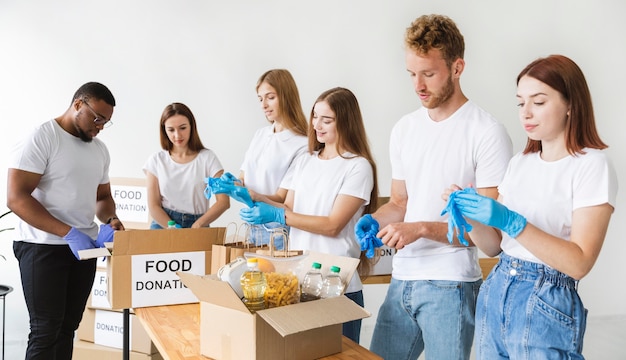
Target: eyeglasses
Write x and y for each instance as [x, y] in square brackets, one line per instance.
[97, 120]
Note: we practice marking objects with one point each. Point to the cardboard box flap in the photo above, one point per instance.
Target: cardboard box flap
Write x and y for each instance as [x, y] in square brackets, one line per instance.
[96, 252]
[210, 289]
[292, 319]
[178, 240]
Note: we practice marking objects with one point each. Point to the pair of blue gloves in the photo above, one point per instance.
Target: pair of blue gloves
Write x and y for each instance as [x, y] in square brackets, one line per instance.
[461, 204]
[230, 185]
[78, 240]
[485, 210]
[256, 212]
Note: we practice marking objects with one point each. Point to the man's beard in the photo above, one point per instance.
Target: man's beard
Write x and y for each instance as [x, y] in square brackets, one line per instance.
[444, 95]
[82, 135]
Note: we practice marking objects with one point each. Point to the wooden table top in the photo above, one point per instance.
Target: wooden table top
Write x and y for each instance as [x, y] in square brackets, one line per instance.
[175, 331]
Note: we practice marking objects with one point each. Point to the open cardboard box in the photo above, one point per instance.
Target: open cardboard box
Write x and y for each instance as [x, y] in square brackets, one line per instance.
[142, 264]
[302, 331]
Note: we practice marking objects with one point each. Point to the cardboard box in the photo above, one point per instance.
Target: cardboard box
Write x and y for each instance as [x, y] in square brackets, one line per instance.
[385, 261]
[131, 202]
[142, 264]
[301, 331]
[106, 328]
[84, 350]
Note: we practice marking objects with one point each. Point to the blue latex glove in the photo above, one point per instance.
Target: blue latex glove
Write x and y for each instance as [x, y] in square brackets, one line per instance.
[104, 235]
[236, 192]
[365, 230]
[490, 212]
[78, 240]
[456, 220]
[227, 184]
[229, 178]
[262, 213]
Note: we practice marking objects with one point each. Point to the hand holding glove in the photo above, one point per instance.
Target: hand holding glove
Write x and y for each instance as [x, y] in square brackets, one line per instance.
[456, 220]
[227, 184]
[78, 240]
[262, 213]
[365, 230]
[488, 211]
[104, 235]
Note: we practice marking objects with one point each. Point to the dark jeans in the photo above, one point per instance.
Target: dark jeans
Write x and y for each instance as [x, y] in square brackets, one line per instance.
[182, 219]
[352, 329]
[56, 287]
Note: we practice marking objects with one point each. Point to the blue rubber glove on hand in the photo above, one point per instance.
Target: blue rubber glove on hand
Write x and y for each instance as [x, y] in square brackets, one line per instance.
[490, 212]
[236, 192]
[105, 235]
[456, 222]
[228, 178]
[78, 240]
[365, 230]
[262, 213]
[230, 185]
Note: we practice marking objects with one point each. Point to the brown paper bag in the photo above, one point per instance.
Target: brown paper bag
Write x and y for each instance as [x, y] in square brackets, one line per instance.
[271, 250]
[235, 245]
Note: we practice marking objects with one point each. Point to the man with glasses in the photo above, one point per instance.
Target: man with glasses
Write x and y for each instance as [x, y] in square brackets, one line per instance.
[57, 183]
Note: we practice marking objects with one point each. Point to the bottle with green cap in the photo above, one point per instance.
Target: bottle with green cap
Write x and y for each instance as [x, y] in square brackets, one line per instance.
[333, 286]
[312, 283]
[171, 224]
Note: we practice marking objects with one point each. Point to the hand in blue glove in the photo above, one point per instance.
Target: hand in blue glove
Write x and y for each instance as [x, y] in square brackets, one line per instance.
[488, 211]
[236, 192]
[78, 240]
[228, 178]
[105, 235]
[230, 185]
[365, 230]
[262, 213]
[456, 220]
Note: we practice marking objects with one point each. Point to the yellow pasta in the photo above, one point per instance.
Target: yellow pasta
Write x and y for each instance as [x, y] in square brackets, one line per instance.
[282, 289]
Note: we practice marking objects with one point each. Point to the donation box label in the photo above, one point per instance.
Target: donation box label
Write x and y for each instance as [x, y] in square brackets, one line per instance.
[154, 280]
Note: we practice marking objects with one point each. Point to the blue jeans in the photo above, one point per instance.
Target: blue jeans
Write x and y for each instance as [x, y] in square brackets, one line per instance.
[529, 311]
[431, 316]
[261, 234]
[182, 219]
[352, 329]
[56, 287]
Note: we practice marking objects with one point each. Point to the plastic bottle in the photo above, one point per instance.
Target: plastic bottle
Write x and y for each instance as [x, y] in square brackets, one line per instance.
[171, 224]
[312, 283]
[253, 285]
[333, 286]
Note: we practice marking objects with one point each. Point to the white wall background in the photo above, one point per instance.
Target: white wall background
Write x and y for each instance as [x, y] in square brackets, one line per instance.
[209, 54]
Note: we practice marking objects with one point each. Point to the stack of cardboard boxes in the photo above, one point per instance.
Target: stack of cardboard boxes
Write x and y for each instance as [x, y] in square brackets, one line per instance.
[139, 270]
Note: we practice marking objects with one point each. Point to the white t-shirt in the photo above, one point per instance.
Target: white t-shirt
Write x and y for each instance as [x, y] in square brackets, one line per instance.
[182, 185]
[316, 184]
[269, 158]
[547, 193]
[71, 172]
[470, 147]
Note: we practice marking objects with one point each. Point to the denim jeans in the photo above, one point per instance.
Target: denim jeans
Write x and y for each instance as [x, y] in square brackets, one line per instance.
[431, 316]
[182, 219]
[261, 234]
[352, 329]
[56, 287]
[529, 311]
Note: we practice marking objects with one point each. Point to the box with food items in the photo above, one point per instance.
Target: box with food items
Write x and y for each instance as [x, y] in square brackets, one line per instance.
[286, 329]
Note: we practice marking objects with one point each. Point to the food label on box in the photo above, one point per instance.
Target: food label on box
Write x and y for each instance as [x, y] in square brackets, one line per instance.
[384, 264]
[154, 279]
[99, 290]
[109, 329]
[131, 202]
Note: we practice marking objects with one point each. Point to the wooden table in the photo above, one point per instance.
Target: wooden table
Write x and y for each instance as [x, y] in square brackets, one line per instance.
[175, 331]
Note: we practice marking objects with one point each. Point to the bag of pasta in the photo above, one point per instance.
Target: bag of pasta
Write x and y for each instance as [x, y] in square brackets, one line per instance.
[282, 289]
